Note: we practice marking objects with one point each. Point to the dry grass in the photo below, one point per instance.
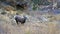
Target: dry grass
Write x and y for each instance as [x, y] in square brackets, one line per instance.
[9, 27]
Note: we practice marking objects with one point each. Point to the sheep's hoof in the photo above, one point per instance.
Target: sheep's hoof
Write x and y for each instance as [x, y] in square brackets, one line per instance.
[22, 23]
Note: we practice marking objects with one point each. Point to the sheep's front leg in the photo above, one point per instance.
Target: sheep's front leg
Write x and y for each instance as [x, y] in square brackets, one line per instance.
[16, 21]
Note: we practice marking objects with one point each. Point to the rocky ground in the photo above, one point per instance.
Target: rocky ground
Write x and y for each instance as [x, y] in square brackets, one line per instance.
[37, 23]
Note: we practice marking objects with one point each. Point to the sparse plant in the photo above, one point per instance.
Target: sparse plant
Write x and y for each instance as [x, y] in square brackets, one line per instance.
[3, 13]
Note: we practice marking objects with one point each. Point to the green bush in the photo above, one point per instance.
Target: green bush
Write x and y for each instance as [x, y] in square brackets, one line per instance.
[41, 2]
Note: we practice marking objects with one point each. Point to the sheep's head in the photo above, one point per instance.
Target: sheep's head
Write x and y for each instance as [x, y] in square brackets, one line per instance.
[25, 17]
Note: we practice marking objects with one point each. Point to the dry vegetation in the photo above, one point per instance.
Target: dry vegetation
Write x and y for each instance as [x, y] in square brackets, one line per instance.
[9, 26]
[32, 26]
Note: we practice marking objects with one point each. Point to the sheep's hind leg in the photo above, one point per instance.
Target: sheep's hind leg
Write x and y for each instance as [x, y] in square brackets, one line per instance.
[22, 23]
